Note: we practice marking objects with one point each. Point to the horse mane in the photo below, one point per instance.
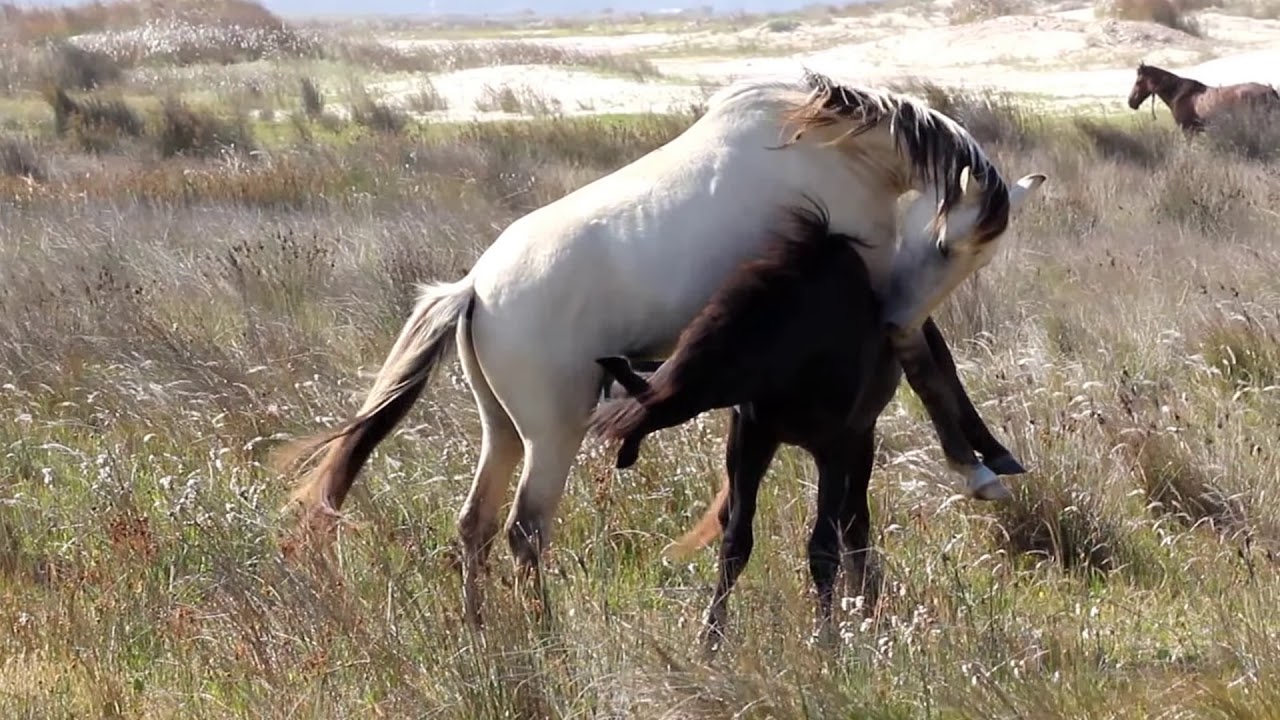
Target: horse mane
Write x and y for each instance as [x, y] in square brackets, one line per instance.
[938, 148]
[728, 341]
[1163, 75]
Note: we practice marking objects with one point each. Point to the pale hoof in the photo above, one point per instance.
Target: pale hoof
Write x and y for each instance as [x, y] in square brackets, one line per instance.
[985, 485]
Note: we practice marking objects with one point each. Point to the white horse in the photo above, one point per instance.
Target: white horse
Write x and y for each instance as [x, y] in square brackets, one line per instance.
[621, 265]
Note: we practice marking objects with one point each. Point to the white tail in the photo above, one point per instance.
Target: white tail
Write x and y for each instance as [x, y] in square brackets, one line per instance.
[423, 342]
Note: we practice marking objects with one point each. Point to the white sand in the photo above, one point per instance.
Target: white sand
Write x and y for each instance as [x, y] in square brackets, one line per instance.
[1066, 57]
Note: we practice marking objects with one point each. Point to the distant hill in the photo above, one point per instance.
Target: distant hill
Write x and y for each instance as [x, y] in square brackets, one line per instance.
[303, 8]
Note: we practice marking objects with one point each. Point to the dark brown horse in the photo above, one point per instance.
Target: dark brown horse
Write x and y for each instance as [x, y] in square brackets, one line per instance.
[795, 341]
[1194, 104]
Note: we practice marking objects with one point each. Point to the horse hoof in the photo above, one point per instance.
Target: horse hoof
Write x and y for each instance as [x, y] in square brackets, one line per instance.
[627, 458]
[627, 454]
[1004, 465]
[994, 491]
[983, 484]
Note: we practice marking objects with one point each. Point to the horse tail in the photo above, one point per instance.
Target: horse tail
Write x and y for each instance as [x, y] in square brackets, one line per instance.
[706, 529]
[424, 341]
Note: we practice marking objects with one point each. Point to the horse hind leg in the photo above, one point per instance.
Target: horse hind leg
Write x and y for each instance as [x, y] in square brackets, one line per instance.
[551, 417]
[749, 455]
[548, 460]
[500, 452]
[824, 540]
[861, 574]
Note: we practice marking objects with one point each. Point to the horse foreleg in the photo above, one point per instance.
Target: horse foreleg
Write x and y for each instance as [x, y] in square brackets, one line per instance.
[925, 378]
[994, 454]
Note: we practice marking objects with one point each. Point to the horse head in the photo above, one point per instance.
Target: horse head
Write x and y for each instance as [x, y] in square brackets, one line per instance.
[1143, 86]
[939, 250]
[952, 229]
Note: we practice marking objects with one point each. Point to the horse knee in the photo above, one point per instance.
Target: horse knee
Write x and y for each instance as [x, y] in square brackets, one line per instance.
[476, 531]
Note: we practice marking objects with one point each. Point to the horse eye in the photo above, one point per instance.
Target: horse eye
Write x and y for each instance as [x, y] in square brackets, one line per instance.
[944, 250]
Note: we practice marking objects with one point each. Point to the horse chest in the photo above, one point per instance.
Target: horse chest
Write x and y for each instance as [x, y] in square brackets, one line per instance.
[821, 399]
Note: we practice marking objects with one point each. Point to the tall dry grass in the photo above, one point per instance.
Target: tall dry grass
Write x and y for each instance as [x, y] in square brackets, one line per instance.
[164, 322]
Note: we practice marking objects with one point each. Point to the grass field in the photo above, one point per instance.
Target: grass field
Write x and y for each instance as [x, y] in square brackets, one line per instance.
[182, 290]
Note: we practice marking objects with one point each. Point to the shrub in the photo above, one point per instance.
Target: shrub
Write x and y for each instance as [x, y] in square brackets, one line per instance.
[1146, 147]
[19, 159]
[184, 131]
[458, 56]
[1176, 486]
[1162, 12]
[312, 99]
[97, 124]
[1251, 132]
[74, 67]
[427, 98]
[517, 100]
[379, 116]
[967, 11]
[990, 118]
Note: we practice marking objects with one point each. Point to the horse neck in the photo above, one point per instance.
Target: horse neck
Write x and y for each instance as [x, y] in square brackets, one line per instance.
[859, 183]
[1170, 87]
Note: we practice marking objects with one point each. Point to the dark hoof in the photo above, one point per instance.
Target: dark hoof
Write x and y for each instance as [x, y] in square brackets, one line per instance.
[1004, 465]
[628, 454]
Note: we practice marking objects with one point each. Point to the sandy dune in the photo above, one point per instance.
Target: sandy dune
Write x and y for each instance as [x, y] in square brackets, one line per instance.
[1058, 58]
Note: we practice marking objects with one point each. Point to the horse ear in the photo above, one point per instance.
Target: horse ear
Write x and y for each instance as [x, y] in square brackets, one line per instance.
[969, 186]
[1022, 189]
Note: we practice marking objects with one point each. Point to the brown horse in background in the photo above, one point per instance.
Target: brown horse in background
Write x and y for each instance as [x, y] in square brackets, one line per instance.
[1195, 104]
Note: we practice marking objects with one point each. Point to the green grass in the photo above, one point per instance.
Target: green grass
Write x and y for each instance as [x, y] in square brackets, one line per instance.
[164, 323]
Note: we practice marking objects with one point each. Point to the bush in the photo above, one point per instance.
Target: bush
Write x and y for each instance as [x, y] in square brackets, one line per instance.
[19, 159]
[184, 131]
[74, 67]
[312, 99]
[990, 118]
[427, 98]
[967, 11]
[1250, 132]
[1162, 12]
[379, 116]
[97, 124]
[1145, 147]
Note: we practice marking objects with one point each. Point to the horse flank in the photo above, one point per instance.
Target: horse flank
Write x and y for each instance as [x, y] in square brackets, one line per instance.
[937, 147]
